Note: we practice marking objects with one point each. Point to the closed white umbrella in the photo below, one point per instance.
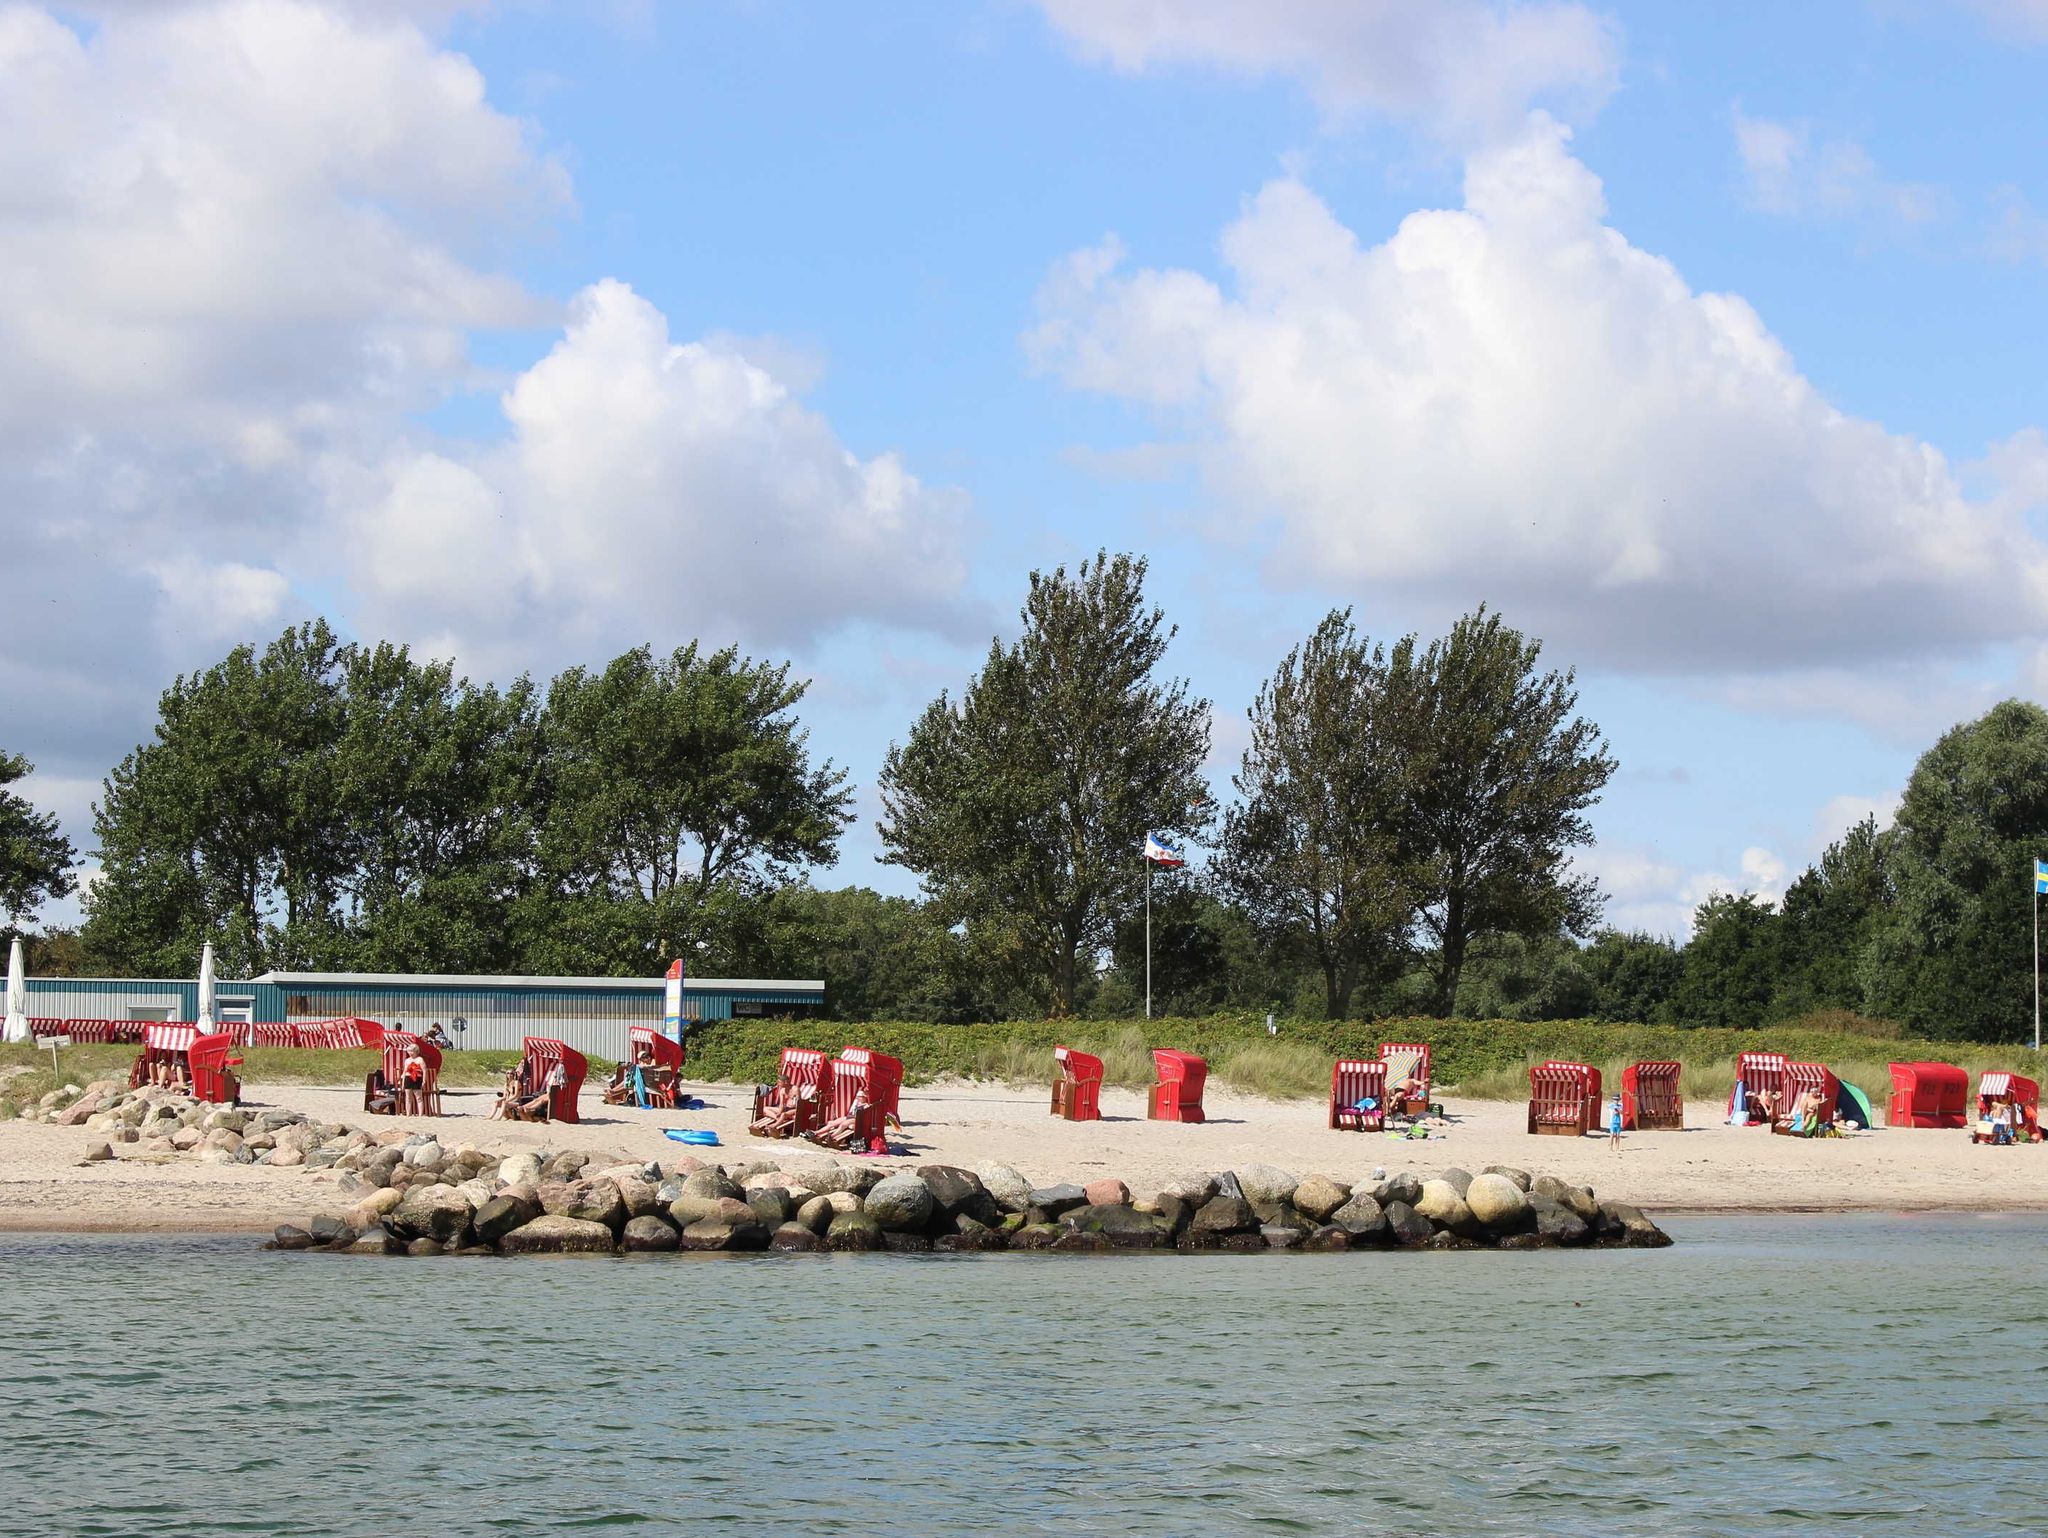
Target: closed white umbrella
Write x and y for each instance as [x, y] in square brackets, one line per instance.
[17, 995]
[205, 1017]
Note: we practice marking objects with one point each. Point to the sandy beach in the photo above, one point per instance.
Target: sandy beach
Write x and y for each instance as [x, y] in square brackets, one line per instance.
[1708, 1167]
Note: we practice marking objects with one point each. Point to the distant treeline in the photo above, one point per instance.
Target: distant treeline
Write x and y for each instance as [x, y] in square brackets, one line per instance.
[1399, 841]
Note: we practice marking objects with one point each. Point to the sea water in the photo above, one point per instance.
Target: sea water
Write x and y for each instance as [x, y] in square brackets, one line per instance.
[1767, 1375]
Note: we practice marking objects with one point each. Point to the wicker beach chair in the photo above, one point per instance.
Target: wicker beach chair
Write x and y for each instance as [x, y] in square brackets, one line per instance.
[1408, 1060]
[1928, 1095]
[1650, 1100]
[397, 1046]
[806, 1070]
[1564, 1099]
[2025, 1095]
[1353, 1081]
[1757, 1073]
[1178, 1094]
[542, 1053]
[1077, 1091]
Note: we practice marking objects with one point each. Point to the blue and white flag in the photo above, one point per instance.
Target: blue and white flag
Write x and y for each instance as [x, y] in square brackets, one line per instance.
[1160, 852]
[2041, 878]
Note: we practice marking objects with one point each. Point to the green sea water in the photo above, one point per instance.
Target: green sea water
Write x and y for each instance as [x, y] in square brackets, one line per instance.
[1812, 1375]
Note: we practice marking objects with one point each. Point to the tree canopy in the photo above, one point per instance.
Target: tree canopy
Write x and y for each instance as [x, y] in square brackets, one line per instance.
[35, 857]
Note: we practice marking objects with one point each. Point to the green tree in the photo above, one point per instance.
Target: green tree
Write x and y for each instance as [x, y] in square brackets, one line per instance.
[1523, 977]
[1502, 773]
[1953, 954]
[1206, 956]
[881, 958]
[1022, 805]
[35, 858]
[680, 789]
[1827, 920]
[1319, 850]
[1635, 976]
[1731, 965]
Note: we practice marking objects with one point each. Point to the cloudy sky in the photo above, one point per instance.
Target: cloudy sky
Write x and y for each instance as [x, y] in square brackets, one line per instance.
[1701, 341]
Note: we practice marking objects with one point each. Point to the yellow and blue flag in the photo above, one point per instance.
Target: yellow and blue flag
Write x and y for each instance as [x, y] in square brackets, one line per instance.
[2041, 878]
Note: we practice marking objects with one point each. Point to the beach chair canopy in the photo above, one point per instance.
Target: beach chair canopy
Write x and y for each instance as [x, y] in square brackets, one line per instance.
[1354, 1081]
[1756, 1071]
[879, 1074]
[213, 1077]
[1817, 1078]
[1928, 1095]
[668, 1052]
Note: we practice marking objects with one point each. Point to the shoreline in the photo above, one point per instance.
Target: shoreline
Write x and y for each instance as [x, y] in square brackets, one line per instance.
[1708, 1170]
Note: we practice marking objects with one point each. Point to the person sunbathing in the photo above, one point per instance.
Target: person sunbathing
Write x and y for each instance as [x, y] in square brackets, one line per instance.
[839, 1132]
[540, 1107]
[1764, 1106]
[518, 1085]
[619, 1088]
[778, 1111]
[1403, 1090]
[1805, 1118]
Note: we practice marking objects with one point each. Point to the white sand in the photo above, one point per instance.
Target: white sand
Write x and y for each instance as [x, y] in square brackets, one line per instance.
[1709, 1167]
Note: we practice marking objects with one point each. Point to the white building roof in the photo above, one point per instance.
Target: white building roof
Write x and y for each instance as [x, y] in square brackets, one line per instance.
[453, 980]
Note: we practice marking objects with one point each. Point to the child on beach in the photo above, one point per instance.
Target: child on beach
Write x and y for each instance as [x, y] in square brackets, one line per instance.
[1614, 1124]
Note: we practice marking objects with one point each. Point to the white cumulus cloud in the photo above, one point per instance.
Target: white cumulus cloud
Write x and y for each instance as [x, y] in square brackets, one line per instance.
[1463, 69]
[647, 488]
[1510, 401]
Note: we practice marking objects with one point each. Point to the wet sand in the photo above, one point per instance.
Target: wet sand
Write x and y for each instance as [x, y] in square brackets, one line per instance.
[1707, 1168]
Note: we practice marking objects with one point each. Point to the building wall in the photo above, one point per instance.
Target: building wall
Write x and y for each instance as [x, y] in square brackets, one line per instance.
[591, 1019]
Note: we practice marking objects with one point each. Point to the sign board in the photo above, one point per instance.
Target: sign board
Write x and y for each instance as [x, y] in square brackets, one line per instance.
[53, 1041]
[672, 1002]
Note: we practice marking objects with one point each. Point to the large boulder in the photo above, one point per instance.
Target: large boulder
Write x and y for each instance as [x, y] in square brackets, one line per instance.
[901, 1203]
[844, 1201]
[1406, 1225]
[648, 1234]
[1221, 1216]
[1283, 1236]
[552, 1234]
[960, 1193]
[502, 1213]
[1037, 1236]
[815, 1214]
[1329, 1237]
[897, 1243]
[827, 1178]
[1404, 1188]
[1010, 1189]
[795, 1238]
[1318, 1196]
[1443, 1204]
[520, 1169]
[1521, 1177]
[723, 1233]
[772, 1205]
[713, 1184]
[853, 1231]
[1054, 1200]
[1497, 1202]
[1108, 1192]
[1192, 1188]
[288, 1236]
[1456, 1179]
[1556, 1222]
[1636, 1231]
[440, 1213]
[376, 1241]
[1124, 1227]
[1266, 1183]
[642, 1197]
[595, 1201]
[1361, 1216]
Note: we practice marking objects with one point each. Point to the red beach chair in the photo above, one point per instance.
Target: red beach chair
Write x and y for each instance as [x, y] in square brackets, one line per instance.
[1754, 1072]
[542, 1053]
[1352, 1080]
[213, 1071]
[1649, 1098]
[806, 1070]
[856, 1068]
[1928, 1095]
[663, 1077]
[273, 1034]
[1077, 1092]
[168, 1042]
[1408, 1060]
[1178, 1094]
[2025, 1095]
[397, 1046]
[1564, 1099]
[1799, 1079]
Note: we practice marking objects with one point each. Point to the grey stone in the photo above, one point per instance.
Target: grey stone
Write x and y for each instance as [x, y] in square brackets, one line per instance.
[648, 1234]
[1404, 1188]
[426, 1247]
[902, 1203]
[287, 1237]
[553, 1234]
[1329, 1237]
[1226, 1185]
[1361, 1216]
[815, 1214]
[98, 1153]
[1037, 1236]
[899, 1243]
[328, 1230]
[1266, 1183]
[1123, 1227]
[1443, 1204]
[374, 1241]
[972, 1236]
[1079, 1239]
[1192, 1188]
[713, 1184]
[957, 1192]
[1556, 1222]
[772, 1205]
[1054, 1200]
[827, 1178]
[503, 1213]
[1221, 1216]
[1529, 1239]
[1522, 1178]
[747, 1233]
[1282, 1236]
[1010, 1189]
[1406, 1224]
[794, 1238]
[1456, 1179]
[440, 1213]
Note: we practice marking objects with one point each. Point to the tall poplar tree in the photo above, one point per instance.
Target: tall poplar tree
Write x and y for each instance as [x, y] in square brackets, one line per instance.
[1023, 804]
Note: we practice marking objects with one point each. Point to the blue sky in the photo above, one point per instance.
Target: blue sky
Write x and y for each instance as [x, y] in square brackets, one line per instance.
[1700, 341]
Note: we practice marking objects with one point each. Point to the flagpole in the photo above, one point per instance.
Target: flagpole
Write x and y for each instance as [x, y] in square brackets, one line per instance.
[2037, 956]
[1148, 956]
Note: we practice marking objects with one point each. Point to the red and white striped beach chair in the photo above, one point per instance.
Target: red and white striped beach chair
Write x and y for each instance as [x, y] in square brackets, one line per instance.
[1353, 1082]
[807, 1071]
[1564, 1099]
[1408, 1060]
[213, 1069]
[1758, 1073]
[165, 1044]
[1649, 1098]
[2025, 1096]
[1802, 1079]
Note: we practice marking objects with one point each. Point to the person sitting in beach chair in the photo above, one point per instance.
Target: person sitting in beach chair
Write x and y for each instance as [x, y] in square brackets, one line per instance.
[540, 1105]
[841, 1131]
[2000, 1122]
[781, 1107]
[518, 1086]
[1404, 1090]
[379, 1098]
